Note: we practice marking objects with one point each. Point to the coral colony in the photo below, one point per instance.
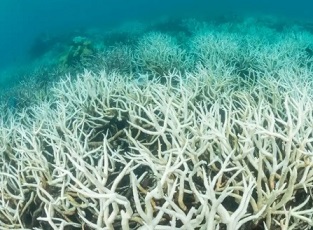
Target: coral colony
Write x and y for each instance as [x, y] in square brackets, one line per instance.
[207, 128]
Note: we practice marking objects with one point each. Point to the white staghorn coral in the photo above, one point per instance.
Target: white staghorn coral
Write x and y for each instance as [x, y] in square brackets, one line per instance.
[192, 153]
[158, 54]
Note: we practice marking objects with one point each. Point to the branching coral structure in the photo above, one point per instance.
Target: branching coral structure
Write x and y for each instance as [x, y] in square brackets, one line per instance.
[191, 153]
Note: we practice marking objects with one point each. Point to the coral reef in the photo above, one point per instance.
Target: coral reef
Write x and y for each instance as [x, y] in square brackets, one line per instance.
[109, 153]
[214, 133]
[78, 54]
[160, 53]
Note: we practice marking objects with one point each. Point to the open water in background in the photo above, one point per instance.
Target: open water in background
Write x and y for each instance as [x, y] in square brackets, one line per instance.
[22, 21]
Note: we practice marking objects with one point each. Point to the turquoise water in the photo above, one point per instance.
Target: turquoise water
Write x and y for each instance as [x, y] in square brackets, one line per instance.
[21, 22]
[36, 36]
[156, 115]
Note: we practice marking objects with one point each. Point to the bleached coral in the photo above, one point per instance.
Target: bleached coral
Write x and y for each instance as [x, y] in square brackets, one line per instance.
[160, 53]
[106, 153]
[201, 148]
